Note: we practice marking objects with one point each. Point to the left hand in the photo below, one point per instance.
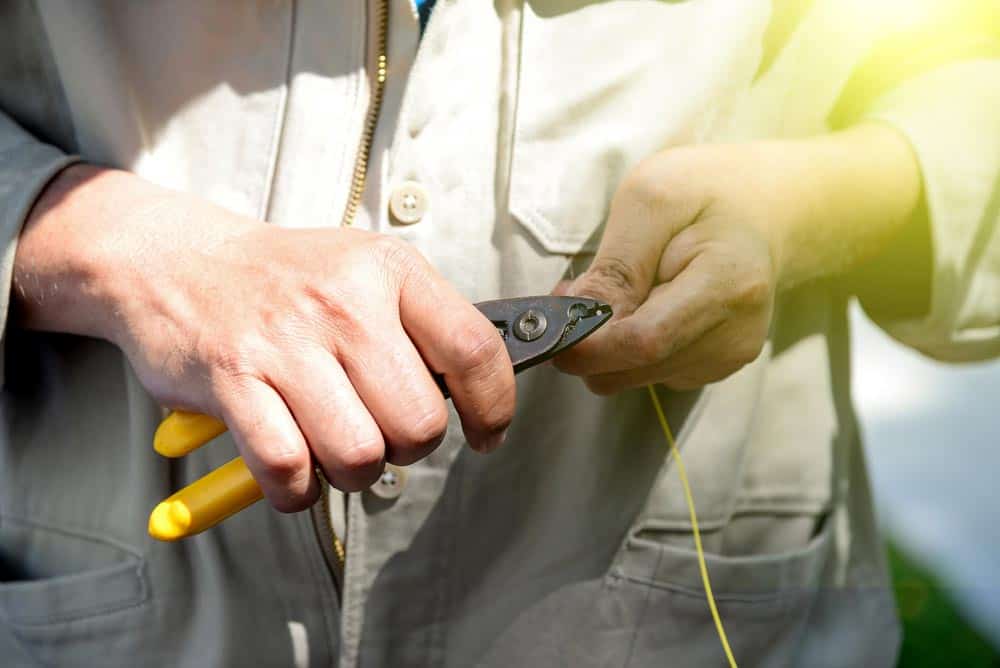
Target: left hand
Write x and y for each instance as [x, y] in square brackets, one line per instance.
[689, 262]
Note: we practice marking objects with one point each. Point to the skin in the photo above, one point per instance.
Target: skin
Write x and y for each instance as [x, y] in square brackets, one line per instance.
[311, 345]
[293, 336]
[701, 240]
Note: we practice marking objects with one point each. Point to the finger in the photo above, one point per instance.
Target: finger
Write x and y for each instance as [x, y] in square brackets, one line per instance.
[673, 316]
[563, 288]
[716, 355]
[638, 229]
[680, 363]
[271, 444]
[395, 385]
[344, 438]
[458, 342]
[682, 249]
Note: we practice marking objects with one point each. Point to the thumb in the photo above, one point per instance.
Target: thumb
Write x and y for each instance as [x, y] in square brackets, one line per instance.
[564, 288]
[625, 266]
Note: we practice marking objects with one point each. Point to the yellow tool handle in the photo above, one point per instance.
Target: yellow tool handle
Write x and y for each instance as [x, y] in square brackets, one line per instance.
[182, 432]
[208, 500]
[204, 503]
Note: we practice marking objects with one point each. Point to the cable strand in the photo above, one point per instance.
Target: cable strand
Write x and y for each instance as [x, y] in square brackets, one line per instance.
[682, 473]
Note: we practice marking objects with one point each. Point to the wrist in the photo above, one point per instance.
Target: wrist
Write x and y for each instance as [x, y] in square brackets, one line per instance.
[59, 279]
[100, 244]
[838, 200]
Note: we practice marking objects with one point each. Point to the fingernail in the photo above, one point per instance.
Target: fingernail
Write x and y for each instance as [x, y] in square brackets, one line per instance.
[493, 442]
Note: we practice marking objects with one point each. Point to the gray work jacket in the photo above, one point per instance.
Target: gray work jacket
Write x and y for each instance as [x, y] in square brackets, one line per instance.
[513, 121]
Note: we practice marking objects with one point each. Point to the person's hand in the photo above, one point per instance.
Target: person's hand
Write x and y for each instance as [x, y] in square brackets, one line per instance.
[311, 345]
[688, 268]
[700, 239]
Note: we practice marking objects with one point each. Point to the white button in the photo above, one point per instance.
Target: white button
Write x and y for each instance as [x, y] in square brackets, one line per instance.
[390, 484]
[408, 203]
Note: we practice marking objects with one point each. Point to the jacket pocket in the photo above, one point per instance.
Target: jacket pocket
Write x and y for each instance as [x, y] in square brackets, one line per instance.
[65, 594]
[763, 599]
[650, 611]
[70, 597]
[603, 85]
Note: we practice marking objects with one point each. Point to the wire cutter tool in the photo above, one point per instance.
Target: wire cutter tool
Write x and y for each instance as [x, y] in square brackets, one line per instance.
[534, 329]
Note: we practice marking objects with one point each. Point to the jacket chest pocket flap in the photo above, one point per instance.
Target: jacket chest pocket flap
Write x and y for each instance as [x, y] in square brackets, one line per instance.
[603, 85]
[53, 575]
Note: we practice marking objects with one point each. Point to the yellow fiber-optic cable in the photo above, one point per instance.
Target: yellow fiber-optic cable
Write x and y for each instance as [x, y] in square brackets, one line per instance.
[682, 473]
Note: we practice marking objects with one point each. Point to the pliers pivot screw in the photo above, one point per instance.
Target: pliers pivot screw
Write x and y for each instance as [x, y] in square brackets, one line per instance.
[530, 325]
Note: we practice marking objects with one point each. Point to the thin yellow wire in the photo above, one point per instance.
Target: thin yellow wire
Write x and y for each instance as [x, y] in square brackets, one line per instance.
[682, 473]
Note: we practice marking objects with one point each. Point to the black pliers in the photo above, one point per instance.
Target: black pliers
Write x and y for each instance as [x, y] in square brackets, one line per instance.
[535, 329]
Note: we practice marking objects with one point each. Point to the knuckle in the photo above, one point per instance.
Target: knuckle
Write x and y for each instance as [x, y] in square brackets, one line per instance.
[232, 360]
[236, 358]
[646, 344]
[611, 276]
[324, 301]
[362, 455]
[753, 292]
[399, 262]
[286, 466]
[290, 475]
[663, 182]
[644, 186]
[427, 430]
[497, 415]
[395, 253]
[392, 246]
[479, 348]
[295, 502]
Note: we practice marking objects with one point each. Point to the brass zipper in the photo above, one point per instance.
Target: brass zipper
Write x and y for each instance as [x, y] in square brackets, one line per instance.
[339, 553]
[381, 22]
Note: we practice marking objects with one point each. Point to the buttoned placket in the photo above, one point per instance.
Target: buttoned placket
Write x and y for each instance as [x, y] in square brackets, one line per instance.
[399, 201]
[408, 205]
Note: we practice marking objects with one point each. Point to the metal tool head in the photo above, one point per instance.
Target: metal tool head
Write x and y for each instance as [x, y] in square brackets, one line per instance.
[537, 328]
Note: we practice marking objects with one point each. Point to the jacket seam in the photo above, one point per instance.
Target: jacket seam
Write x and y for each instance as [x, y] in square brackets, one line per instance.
[763, 506]
[279, 120]
[53, 68]
[747, 599]
[38, 621]
[320, 571]
[72, 533]
[641, 617]
[348, 154]
[693, 417]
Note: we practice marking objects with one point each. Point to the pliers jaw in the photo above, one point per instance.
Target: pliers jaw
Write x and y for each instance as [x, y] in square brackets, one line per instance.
[533, 329]
[536, 329]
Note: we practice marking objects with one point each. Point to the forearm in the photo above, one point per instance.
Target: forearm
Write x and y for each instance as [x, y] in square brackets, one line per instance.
[91, 240]
[848, 198]
[701, 239]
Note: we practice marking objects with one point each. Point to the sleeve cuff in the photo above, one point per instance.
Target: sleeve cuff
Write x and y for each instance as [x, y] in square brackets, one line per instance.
[951, 116]
[26, 167]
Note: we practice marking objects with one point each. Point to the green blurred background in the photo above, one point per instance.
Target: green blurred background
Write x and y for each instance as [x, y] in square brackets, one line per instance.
[935, 631]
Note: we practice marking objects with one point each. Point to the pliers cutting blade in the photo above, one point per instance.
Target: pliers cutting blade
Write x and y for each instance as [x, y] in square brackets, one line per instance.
[534, 329]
